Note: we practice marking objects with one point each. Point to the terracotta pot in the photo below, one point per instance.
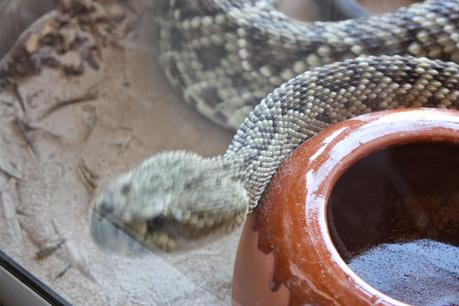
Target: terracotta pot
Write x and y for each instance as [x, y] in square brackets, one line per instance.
[349, 188]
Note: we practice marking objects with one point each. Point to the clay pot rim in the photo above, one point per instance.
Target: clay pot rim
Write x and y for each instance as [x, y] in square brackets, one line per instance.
[372, 133]
[297, 231]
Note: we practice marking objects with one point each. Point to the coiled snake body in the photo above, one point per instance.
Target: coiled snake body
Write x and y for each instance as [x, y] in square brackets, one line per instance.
[225, 56]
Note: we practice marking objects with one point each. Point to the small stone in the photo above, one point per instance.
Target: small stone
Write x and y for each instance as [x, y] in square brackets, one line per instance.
[72, 62]
[32, 43]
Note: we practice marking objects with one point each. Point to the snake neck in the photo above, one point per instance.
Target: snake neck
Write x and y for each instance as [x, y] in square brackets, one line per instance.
[310, 102]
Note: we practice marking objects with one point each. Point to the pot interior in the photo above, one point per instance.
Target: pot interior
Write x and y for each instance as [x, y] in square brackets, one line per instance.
[394, 218]
[398, 194]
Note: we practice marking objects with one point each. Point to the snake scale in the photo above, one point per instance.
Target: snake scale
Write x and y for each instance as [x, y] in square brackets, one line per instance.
[224, 56]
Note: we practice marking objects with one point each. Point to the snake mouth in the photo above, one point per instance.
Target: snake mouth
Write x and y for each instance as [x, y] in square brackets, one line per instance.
[110, 235]
[170, 234]
[167, 234]
[161, 233]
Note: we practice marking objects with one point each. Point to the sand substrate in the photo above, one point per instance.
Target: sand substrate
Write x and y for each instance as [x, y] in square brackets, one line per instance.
[51, 162]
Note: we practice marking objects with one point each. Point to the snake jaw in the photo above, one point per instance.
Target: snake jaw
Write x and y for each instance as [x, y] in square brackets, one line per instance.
[178, 231]
[172, 234]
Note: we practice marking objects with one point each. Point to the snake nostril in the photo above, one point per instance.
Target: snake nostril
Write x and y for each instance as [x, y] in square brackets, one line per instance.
[104, 208]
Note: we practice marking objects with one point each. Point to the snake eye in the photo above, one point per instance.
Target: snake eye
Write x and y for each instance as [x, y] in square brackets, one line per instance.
[156, 224]
[125, 189]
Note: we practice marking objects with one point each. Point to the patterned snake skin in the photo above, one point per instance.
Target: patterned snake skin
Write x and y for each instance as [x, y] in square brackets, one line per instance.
[225, 56]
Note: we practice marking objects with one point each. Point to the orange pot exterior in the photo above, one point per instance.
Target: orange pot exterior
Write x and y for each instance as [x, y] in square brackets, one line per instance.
[286, 255]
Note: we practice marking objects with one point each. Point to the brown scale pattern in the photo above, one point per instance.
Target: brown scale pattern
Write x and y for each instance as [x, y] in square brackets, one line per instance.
[225, 56]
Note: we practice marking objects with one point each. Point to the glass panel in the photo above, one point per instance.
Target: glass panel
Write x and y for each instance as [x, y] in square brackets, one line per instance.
[90, 88]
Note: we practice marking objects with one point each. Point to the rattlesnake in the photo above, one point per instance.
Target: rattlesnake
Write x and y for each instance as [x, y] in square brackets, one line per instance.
[225, 56]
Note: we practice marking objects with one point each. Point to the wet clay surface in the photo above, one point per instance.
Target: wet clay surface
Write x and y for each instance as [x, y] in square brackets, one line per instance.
[293, 230]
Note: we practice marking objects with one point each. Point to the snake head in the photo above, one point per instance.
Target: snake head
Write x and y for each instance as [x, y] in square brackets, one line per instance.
[171, 201]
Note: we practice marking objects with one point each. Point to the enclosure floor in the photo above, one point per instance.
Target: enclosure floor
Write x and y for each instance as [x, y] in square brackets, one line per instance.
[135, 113]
